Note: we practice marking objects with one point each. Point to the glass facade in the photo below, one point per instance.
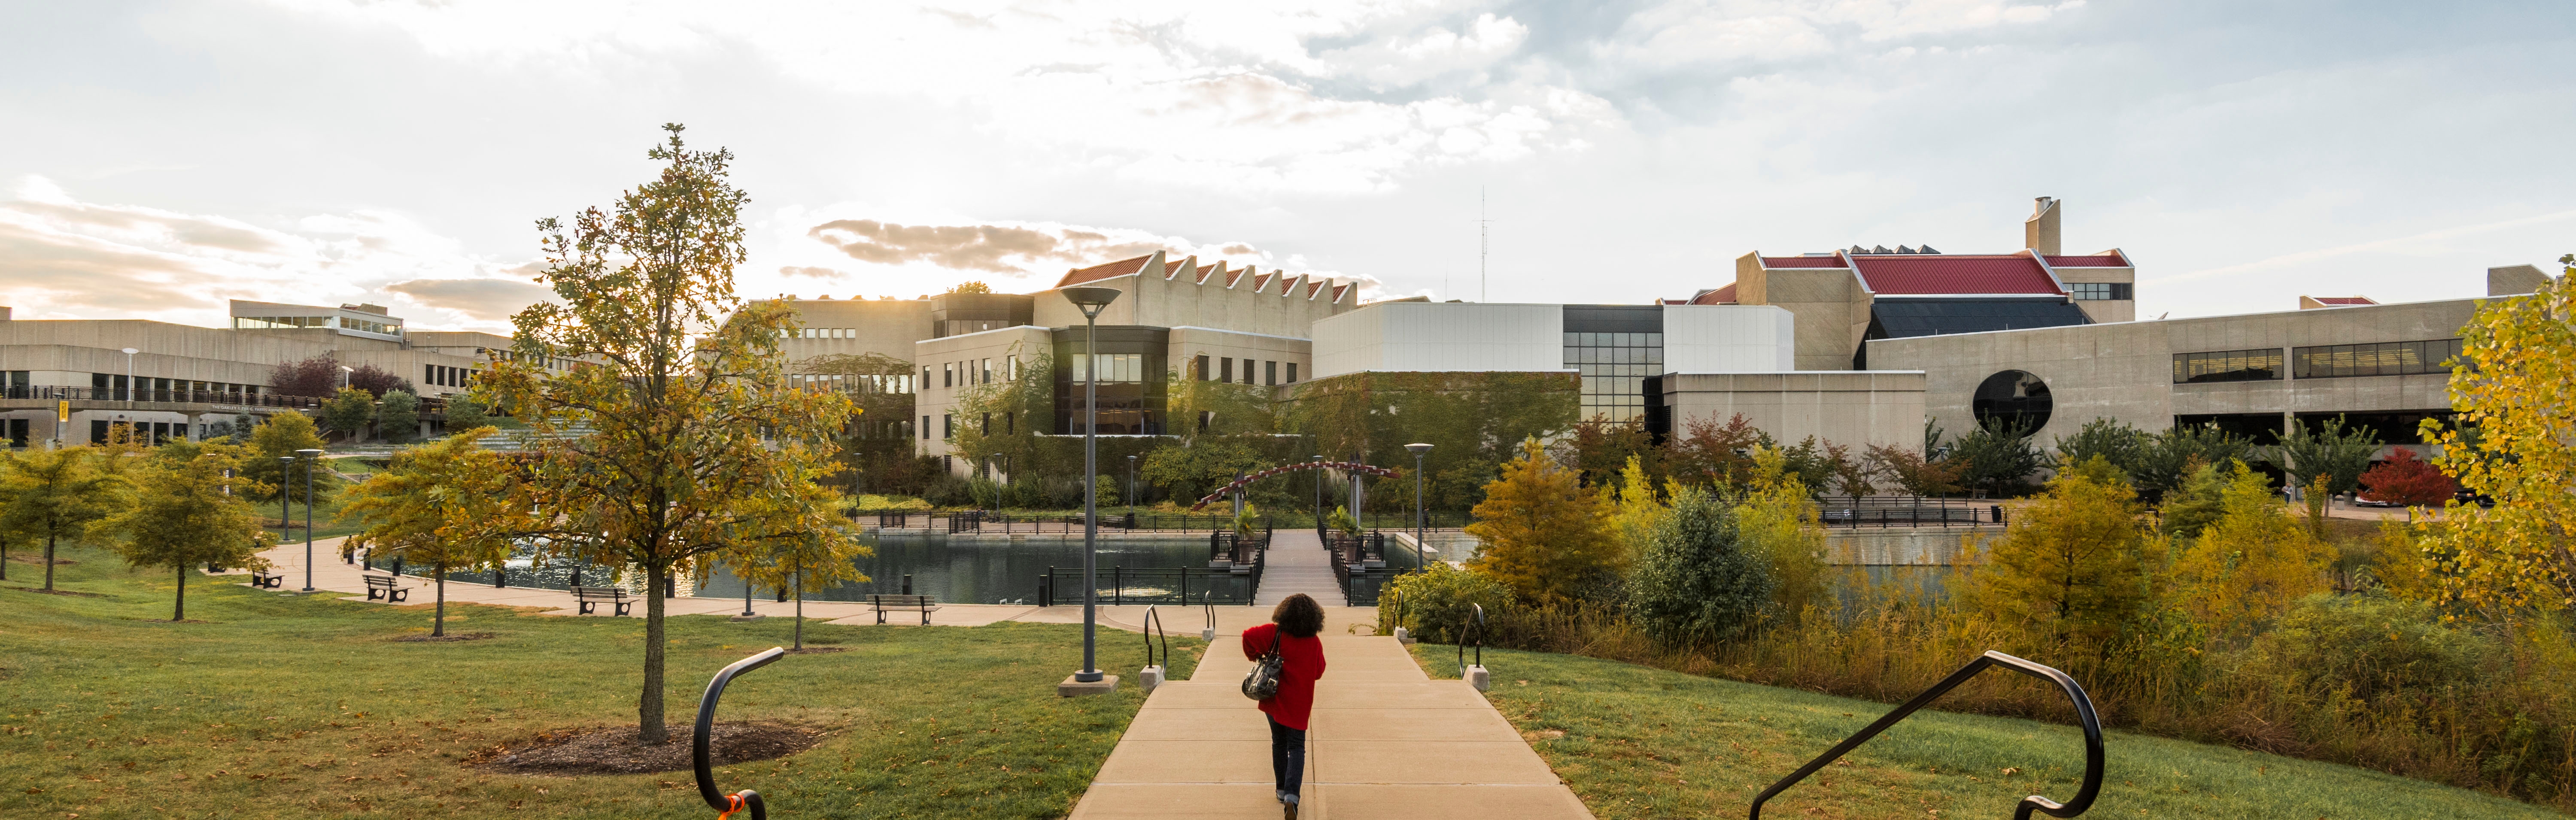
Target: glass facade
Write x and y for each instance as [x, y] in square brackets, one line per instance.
[2227, 366]
[1615, 348]
[2379, 359]
[2098, 291]
[1132, 386]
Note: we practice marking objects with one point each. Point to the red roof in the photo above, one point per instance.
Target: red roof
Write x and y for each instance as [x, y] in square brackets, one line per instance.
[1098, 272]
[2344, 300]
[1903, 274]
[1720, 296]
[1802, 261]
[2106, 260]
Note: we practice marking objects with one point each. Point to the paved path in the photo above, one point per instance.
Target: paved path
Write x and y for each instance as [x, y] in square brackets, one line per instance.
[1386, 741]
[1298, 563]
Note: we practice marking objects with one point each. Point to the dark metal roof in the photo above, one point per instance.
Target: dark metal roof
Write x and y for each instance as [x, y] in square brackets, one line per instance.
[1900, 318]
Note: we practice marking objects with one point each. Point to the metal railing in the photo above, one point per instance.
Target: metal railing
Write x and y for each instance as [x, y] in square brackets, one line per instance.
[1476, 629]
[2091, 723]
[1120, 586]
[1865, 512]
[1153, 625]
[701, 742]
[428, 406]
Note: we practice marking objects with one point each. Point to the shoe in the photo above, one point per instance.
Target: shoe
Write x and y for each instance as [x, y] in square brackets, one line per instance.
[1291, 809]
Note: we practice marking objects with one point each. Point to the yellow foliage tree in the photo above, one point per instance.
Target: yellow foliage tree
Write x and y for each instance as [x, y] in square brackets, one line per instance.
[1635, 510]
[2070, 568]
[183, 516]
[2509, 443]
[1545, 536]
[1776, 519]
[2252, 563]
[799, 540]
[445, 505]
[50, 495]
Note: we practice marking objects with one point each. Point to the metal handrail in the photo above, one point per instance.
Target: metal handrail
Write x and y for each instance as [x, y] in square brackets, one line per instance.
[699, 744]
[1476, 628]
[1153, 626]
[2083, 711]
[1207, 601]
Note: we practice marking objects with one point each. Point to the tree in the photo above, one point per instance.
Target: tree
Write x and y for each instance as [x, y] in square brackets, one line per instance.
[2196, 505]
[316, 377]
[693, 425]
[2405, 479]
[2071, 567]
[970, 287]
[399, 419]
[1635, 512]
[378, 382]
[58, 494]
[1996, 458]
[999, 422]
[1696, 583]
[1600, 449]
[2338, 453]
[1545, 536]
[1190, 470]
[2124, 446]
[824, 554]
[2251, 564]
[182, 517]
[2508, 445]
[1909, 471]
[279, 437]
[877, 445]
[1776, 517]
[446, 505]
[348, 413]
[2173, 454]
[464, 413]
[1713, 454]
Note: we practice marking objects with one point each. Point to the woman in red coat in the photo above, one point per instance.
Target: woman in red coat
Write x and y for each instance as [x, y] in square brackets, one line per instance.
[1293, 626]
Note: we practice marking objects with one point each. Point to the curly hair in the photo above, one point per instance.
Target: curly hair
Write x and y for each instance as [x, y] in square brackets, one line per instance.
[1298, 616]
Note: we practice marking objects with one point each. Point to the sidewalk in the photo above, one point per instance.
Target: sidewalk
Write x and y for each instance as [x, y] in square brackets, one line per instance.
[1386, 741]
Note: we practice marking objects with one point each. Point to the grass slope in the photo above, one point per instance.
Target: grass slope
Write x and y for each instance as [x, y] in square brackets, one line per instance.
[303, 706]
[1638, 742]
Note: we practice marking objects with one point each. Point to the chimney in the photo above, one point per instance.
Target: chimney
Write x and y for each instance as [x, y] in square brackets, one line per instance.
[2505, 281]
[2039, 232]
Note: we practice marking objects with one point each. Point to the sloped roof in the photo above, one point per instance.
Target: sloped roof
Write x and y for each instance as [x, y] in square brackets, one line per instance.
[1098, 272]
[2098, 260]
[1720, 296]
[2344, 300]
[1939, 274]
[1896, 319]
[1802, 261]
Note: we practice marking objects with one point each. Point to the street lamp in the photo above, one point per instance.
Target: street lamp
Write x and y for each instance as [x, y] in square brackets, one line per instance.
[1421, 515]
[344, 376]
[1091, 300]
[129, 376]
[1131, 490]
[1319, 498]
[314, 457]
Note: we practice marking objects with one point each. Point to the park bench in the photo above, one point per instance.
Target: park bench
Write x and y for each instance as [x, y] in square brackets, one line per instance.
[907, 603]
[382, 586]
[264, 579]
[589, 598]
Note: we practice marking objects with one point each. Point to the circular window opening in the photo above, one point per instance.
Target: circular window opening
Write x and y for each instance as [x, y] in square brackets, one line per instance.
[2013, 400]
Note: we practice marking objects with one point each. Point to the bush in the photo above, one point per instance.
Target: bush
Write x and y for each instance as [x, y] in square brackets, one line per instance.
[1437, 603]
[949, 490]
[2370, 645]
[1696, 582]
[891, 503]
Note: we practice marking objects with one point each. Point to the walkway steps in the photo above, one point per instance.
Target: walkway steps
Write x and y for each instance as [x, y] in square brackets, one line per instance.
[1385, 741]
[1298, 563]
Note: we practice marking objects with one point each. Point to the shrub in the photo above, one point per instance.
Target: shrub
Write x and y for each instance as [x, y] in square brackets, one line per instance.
[1696, 584]
[1437, 603]
[1341, 520]
[949, 490]
[2369, 645]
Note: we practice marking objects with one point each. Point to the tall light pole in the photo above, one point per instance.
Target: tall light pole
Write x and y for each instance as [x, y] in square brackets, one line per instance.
[313, 458]
[129, 377]
[1421, 514]
[1131, 488]
[1091, 301]
[1319, 498]
[285, 498]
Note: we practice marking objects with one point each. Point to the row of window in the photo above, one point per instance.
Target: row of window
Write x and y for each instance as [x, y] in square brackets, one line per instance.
[820, 333]
[948, 425]
[147, 388]
[550, 362]
[2099, 291]
[1575, 340]
[445, 376]
[2317, 362]
[371, 326]
[271, 322]
[973, 371]
[1124, 368]
[848, 383]
[1222, 369]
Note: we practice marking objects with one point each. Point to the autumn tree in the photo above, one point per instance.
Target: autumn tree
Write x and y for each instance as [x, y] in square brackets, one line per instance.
[1776, 517]
[1712, 454]
[692, 425]
[2332, 450]
[398, 420]
[314, 377]
[812, 546]
[2195, 505]
[2246, 569]
[446, 505]
[51, 495]
[1545, 536]
[279, 437]
[2070, 568]
[2405, 479]
[2509, 444]
[181, 516]
[348, 413]
[1907, 469]
[1635, 511]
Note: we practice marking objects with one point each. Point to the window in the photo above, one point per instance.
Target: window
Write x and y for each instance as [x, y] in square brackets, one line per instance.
[985, 366]
[1292, 372]
[1010, 368]
[2227, 366]
[987, 428]
[2377, 359]
[1270, 373]
[2097, 291]
[1226, 370]
[1199, 368]
[947, 425]
[1010, 423]
[947, 374]
[1114, 367]
[1614, 368]
[925, 376]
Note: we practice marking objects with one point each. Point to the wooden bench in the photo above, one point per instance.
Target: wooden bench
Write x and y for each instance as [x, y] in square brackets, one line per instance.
[588, 599]
[383, 586]
[908, 603]
[264, 579]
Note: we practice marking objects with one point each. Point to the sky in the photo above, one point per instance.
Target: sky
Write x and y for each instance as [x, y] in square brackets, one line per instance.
[159, 158]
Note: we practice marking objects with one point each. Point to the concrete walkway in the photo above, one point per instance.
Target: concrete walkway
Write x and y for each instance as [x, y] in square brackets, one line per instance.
[1298, 563]
[1386, 741]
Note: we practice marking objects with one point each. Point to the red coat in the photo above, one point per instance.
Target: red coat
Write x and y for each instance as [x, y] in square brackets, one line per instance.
[1301, 662]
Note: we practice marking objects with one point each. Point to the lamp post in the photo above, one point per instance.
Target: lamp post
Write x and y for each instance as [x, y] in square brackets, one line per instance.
[129, 377]
[1091, 301]
[285, 498]
[314, 458]
[1421, 514]
[1131, 488]
[1319, 497]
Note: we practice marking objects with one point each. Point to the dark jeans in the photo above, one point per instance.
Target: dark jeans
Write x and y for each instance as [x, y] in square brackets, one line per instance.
[1287, 756]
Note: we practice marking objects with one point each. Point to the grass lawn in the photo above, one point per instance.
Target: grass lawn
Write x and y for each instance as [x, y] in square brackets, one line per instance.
[282, 705]
[1638, 742]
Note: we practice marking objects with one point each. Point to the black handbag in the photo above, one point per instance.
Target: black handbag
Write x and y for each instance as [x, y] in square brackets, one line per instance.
[1262, 683]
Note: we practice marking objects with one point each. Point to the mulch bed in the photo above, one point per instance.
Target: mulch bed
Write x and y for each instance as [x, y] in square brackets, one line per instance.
[614, 750]
[449, 637]
[37, 558]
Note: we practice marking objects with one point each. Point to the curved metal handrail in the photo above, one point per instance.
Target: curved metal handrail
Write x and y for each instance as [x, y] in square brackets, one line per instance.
[1207, 600]
[1153, 626]
[2083, 711]
[699, 740]
[1476, 628]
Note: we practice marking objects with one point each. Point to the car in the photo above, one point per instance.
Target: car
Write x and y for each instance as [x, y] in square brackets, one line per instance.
[2367, 501]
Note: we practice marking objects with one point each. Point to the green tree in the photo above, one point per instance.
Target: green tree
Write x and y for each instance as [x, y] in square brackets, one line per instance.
[2180, 449]
[446, 505]
[2117, 442]
[1000, 422]
[1474, 421]
[2508, 444]
[464, 413]
[2333, 451]
[692, 423]
[348, 413]
[814, 546]
[971, 287]
[398, 420]
[56, 494]
[1996, 458]
[1697, 583]
[279, 437]
[2071, 567]
[1188, 470]
[2196, 505]
[1545, 535]
[182, 517]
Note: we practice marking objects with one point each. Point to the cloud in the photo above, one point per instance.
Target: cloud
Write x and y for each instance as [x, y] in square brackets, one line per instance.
[487, 300]
[894, 257]
[962, 247]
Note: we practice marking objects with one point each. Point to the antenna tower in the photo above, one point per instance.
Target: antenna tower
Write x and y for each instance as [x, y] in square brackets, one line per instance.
[1482, 244]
